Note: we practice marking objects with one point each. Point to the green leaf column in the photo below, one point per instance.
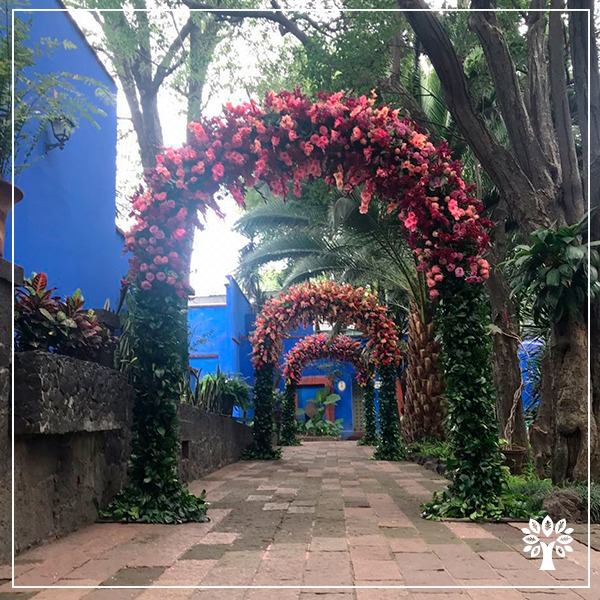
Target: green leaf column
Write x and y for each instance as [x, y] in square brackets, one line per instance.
[477, 477]
[370, 434]
[158, 338]
[288, 418]
[389, 444]
[262, 444]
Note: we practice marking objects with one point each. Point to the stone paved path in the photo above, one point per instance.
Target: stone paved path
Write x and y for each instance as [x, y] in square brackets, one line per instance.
[325, 515]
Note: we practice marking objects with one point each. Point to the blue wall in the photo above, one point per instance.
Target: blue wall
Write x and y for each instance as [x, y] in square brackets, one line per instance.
[219, 340]
[65, 224]
[219, 334]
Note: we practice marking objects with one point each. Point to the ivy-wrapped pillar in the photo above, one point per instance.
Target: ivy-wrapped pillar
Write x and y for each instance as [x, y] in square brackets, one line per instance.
[157, 336]
[389, 444]
[262, 445]
[475, 468]
[370, 417]
[288, 418]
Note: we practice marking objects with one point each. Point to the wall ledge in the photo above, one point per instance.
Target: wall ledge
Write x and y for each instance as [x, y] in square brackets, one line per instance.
[57, 394]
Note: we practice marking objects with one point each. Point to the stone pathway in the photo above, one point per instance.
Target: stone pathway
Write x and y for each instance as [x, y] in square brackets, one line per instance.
[325, 515]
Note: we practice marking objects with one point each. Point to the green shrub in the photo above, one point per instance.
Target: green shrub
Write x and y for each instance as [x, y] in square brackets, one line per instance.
[531, 490]
[432, 448]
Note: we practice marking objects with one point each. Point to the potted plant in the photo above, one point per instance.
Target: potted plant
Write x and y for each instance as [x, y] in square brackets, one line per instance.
[315, 424]
[515, 457]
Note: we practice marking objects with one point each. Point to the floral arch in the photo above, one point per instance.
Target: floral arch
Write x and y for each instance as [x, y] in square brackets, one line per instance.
[352, 143]
[338, 303]
[322, 345]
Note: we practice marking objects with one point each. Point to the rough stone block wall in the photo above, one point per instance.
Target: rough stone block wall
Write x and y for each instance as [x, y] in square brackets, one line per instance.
[209, 441]
[72, 438]
[6, 294]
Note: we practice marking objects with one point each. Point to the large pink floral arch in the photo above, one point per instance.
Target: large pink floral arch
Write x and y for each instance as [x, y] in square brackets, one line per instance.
[352, 143]
[349, 142]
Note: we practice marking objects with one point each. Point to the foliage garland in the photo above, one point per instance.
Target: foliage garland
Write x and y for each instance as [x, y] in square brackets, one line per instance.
[289, 426]
[370, 437]
[475, 465]
[389, 445]
[157, 331]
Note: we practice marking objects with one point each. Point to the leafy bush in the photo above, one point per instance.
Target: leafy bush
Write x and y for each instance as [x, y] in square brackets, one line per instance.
[432, 448]
[47, 322]
[550, 273]
[531, 490]
[317, 424]
[219, 393]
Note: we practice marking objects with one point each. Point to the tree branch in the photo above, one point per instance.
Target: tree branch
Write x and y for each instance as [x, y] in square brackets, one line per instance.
[524, 142]
[572, 192]
[166, 65]
[585, 63]
[498, 162]
[538, 90]
[286, 24]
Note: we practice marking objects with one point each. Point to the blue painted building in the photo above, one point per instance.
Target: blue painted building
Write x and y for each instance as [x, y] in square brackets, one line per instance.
[65, 225]
[219, 327]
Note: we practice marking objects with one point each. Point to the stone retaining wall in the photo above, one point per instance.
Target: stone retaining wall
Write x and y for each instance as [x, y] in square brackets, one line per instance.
[209, 441]
[72, 424]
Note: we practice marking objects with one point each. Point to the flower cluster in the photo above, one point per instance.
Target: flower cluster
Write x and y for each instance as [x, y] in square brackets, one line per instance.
[328, 301]
[350, 142]
[321, 345]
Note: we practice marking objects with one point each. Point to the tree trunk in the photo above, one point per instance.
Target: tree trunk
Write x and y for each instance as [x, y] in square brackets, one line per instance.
[424, 409]
[541, 435]
[506, 370]
[568, 363]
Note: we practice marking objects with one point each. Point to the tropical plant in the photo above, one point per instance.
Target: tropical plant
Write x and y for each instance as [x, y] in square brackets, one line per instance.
[35, 314]
[219, 393]
[316, 424]
[44, 321]
[550, 274]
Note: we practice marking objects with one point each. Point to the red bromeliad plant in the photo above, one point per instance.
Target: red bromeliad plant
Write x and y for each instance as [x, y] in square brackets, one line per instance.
[347, 141]
[321, 345]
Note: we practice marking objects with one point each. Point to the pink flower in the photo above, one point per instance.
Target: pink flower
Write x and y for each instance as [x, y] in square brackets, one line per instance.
[161, 276]
[411, 221]
[459, 272]
[146, 285]
[179, 233]
[218, 171]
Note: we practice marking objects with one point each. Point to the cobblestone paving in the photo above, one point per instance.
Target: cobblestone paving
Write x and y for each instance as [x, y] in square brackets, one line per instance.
[325, 515]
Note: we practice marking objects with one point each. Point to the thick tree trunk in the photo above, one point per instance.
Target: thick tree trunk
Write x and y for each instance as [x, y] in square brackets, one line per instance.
[424, 409]
[506, 370]
[541, 434]
[568, 363]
